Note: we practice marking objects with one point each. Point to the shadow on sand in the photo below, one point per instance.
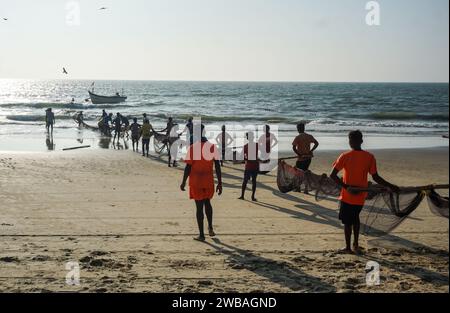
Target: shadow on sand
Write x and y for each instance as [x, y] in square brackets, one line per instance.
[278, 272]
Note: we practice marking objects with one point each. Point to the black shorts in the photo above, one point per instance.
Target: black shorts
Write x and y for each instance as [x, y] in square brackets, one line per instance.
[253, 174]
[146, 142]
[303, 165]
[135, 137]
[349, 213]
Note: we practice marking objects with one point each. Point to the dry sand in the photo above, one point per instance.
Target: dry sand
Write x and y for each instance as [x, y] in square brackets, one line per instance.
[123, 218]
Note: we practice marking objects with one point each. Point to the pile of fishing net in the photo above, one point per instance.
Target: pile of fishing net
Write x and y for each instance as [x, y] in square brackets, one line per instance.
[383, 210]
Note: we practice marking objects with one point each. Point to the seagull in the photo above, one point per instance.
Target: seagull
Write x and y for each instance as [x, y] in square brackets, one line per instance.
[103, 8]
[5, 19]
[64, 71]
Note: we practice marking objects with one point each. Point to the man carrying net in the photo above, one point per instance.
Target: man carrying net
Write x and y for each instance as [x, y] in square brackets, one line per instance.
[356, 164]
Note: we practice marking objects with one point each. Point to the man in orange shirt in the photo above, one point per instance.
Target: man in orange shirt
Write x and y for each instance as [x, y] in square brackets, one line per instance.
[357, 164]
[200, 158]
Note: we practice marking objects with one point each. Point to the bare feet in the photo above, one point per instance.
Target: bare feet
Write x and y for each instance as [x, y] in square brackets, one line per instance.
[241, 198]
[254, 199]
[346, 251]
[358, 250]
[200, 238]
[211, 232]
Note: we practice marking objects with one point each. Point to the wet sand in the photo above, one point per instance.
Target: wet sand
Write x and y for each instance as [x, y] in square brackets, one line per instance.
[124, 220]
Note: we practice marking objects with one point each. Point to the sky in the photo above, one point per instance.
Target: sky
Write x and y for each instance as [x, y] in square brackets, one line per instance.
[226, 40]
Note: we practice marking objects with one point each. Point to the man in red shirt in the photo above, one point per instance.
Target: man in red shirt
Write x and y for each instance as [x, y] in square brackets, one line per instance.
[356, 164]
[251, 165]
[200, 159]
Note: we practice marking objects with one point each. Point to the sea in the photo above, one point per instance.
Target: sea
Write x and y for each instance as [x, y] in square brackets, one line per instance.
[391, 115]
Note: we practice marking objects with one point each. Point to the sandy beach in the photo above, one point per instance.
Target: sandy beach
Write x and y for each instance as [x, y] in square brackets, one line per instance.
[123, 218]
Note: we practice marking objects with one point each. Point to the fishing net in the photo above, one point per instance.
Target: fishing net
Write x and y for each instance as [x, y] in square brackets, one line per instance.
[293, 179]
[438, 204]
[383, 211]
[160, 143]
[289, 178]
[163, 142]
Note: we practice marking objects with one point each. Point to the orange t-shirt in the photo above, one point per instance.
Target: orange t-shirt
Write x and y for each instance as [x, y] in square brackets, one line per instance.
[356, 165]
[201, 156]
[303, 143]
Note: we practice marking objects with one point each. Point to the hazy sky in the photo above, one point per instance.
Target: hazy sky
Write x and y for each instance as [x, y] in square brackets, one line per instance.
[257, 40]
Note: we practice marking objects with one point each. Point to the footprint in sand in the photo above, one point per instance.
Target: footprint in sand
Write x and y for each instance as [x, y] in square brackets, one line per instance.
[41, 258]
[9, 259]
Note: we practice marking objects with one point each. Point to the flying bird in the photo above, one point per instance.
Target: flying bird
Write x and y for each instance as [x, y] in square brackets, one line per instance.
[103, 8]
[5, 19]
[64, 71]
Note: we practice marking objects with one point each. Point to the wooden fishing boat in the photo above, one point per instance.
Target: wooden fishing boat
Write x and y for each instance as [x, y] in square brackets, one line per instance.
[97, 99]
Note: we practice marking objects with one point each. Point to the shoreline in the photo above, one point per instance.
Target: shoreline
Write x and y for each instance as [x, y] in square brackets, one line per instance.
[41, 141]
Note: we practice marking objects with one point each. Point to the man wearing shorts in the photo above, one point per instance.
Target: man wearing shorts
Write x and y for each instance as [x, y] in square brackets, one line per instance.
[224, 139]
[49, 120]
[200, 159]
[126, 125]
[356, 164]
[251, 165]
[117, 126]
[302, 147]
[135, 134]
[146, 134]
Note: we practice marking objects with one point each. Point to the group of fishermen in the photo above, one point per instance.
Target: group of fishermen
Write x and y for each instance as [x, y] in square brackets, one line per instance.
[121, 126]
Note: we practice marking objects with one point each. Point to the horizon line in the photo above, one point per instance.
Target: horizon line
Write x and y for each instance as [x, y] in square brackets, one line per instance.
[232, 81]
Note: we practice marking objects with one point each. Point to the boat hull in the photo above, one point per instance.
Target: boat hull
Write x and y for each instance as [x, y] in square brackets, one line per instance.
[96, 99]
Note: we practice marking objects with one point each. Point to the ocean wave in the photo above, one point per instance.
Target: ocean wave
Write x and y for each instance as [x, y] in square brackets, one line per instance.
[214, 118]
[35, 118]
[409, 116]
[400, 116]
[380, 123]
[73, 106]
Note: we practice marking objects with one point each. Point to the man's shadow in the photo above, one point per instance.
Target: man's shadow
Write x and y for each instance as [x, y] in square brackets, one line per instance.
[278, 272]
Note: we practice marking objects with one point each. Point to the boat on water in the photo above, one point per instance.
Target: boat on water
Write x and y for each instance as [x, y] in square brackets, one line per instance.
[98, 99]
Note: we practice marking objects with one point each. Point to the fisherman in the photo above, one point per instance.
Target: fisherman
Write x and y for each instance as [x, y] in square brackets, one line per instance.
[189, 130]
[79, 118]
[266, 143]
[302, 148]
[146, 134]
[356, 164]
[49, 120]
[145, 118]
[174, 143]
[251, 165]
[117, 126]
[107, 128]
[135, 134]
[126, 125]
[223, 139]
[169, 126]
[200, 159]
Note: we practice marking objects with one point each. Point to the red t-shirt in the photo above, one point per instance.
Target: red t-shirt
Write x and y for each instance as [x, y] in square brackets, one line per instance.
[251, 157]
[356, 165]
[201, 156]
